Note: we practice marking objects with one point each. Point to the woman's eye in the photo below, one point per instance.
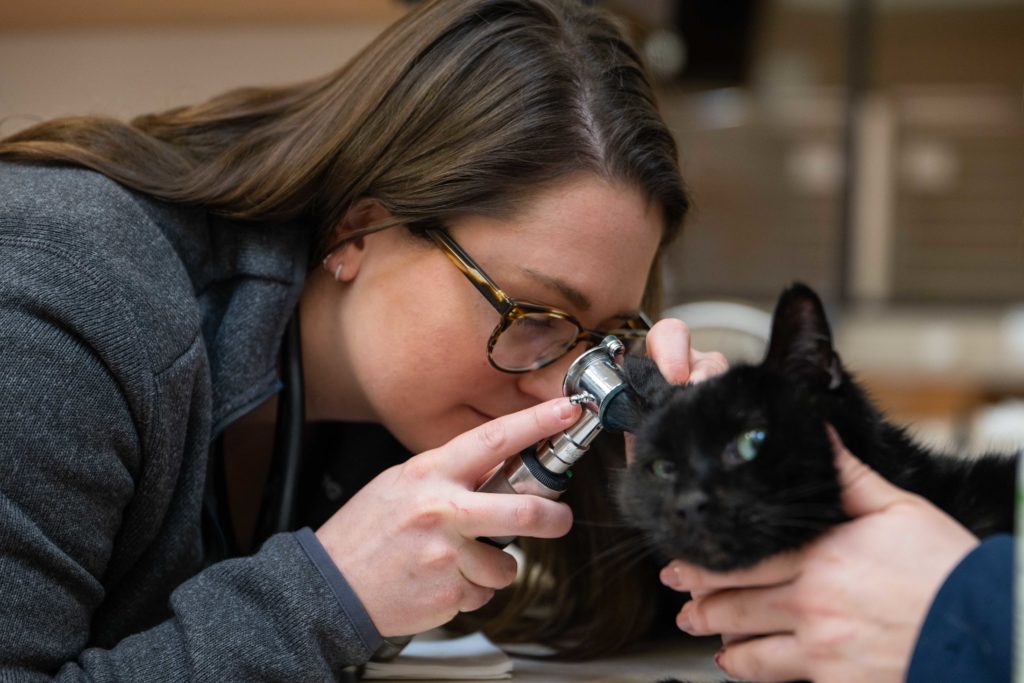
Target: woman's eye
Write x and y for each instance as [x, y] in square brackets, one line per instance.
[748, 444]
[536, 321]
[663, 469]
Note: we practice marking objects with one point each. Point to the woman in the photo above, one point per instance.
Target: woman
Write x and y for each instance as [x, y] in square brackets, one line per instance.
[149, 270]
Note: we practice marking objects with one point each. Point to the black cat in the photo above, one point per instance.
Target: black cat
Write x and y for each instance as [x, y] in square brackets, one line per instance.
[738, 468]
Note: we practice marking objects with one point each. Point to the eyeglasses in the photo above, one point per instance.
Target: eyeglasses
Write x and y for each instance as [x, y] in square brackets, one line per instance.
[530, 335]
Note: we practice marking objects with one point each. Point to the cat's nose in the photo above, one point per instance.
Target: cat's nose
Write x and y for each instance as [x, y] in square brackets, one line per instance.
[691, 504]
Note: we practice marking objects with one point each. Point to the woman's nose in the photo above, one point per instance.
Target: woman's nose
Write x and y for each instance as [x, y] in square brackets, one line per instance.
[546, 383]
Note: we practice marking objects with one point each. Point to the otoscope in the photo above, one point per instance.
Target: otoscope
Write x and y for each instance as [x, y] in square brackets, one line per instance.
[595, 382]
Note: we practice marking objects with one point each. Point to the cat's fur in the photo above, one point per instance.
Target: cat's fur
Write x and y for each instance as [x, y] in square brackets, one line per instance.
[694, 496]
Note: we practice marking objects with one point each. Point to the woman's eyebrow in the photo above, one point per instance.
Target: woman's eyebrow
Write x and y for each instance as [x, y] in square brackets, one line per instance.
[573, 295]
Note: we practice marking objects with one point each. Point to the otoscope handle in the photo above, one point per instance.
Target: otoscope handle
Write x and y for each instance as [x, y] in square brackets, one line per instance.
[523, 473]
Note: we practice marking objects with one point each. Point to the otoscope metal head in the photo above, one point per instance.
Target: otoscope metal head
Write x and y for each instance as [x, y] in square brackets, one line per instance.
[598, 374]
[606, 353]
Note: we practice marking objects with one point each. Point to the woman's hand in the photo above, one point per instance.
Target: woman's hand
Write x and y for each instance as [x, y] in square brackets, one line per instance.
[849, 606]
[406, 541]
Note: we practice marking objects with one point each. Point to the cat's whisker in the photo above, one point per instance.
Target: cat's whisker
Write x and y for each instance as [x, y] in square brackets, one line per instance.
[632, 554]
[624, 546]
[628, 564]
[621, 551]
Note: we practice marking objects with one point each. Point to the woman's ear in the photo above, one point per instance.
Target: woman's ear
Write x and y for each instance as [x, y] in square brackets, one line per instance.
[343, 263]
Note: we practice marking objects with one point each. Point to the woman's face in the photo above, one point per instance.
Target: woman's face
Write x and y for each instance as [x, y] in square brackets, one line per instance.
[402, 339]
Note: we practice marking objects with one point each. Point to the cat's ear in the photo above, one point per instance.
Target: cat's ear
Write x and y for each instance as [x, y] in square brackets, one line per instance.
[801, 341]
[646, 380]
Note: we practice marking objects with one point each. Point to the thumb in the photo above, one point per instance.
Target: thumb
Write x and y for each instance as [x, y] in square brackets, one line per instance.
[668, 345]
[862, 490]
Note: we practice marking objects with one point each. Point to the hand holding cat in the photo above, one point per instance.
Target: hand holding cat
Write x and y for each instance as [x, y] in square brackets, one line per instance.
[668, 345]
[847, 607]
[406, 541]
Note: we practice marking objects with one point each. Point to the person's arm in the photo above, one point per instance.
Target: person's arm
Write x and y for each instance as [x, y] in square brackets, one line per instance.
[966, 635]
[71, 445]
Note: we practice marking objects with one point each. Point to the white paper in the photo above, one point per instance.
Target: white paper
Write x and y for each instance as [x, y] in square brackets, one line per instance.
[471, 657]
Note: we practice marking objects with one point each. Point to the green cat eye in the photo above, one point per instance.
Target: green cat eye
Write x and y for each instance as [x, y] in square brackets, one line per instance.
[663, 469]
[748, 444]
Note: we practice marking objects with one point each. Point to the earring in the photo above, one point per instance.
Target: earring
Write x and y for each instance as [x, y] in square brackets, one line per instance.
[327, 267]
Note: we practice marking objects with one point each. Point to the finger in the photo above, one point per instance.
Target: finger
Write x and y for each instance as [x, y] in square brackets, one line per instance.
[780, 568]
[511, 514]
[862, 490]
[770, 659]
[473, 597]
[469, 456]
[729, 638]
[705, 365]
[668, 345]
[748, 610]
[487, 475]
[486, 566]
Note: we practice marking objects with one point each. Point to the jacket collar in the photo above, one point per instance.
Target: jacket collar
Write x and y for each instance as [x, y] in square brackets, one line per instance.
[247, 280]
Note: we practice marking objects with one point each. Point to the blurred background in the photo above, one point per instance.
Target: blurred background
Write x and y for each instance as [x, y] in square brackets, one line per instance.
[873, 149]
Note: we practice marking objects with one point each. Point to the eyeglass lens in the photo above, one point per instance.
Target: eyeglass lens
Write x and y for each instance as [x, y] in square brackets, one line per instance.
[533, 340]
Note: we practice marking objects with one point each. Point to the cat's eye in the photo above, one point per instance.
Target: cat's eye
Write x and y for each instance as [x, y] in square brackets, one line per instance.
[663, 469]
[748, 444]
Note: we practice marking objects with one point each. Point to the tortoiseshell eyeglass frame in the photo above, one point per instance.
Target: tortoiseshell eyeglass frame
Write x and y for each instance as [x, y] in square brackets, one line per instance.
[511, 310]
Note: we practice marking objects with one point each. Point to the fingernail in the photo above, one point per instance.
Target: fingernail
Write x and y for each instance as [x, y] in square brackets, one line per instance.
[718, 660]
[668, 577]
[683, 621]
[564, 410]
[673, 578]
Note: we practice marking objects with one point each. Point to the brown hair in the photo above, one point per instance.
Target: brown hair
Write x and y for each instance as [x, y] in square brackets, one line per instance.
[461, 107]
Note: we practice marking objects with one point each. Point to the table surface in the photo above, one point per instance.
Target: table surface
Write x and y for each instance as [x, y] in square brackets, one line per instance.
[687, 659]
[682, 657]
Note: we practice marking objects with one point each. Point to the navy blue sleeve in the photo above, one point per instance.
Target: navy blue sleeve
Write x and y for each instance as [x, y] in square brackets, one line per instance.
[967, 634]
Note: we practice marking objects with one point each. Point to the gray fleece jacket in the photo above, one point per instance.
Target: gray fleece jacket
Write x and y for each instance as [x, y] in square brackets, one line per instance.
[131, 333]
